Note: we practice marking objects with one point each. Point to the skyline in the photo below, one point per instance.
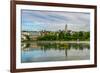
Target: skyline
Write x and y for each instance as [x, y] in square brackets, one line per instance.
[32, 20]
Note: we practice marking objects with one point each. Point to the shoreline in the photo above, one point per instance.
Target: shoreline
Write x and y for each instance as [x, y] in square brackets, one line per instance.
[56, 41]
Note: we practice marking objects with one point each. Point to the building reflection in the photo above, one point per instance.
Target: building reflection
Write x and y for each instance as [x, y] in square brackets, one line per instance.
[55, 46]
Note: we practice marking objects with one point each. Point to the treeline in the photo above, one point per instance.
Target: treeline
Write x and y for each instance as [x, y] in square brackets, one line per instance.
[65, 36]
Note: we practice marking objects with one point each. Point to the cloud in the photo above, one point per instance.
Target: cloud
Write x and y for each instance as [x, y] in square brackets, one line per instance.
[55, 20]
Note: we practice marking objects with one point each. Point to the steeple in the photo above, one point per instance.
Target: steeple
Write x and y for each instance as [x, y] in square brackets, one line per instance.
[66, 28]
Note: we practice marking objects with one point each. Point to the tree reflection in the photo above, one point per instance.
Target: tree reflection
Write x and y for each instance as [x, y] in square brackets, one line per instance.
[55, 46]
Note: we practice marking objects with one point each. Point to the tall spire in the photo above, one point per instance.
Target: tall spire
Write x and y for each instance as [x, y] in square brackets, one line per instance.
[66, 28]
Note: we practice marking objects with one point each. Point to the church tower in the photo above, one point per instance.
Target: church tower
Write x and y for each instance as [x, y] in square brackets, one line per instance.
[66, 28]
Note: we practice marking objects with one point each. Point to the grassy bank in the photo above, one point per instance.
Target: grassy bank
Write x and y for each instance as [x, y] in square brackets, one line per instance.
[57, 41]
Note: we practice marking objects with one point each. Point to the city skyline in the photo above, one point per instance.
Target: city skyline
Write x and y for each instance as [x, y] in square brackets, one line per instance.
[32, 20]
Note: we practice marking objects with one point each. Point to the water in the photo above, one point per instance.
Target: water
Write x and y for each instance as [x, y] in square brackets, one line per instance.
[44, 52]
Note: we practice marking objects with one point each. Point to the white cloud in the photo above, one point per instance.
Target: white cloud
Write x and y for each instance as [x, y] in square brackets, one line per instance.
[52, 20]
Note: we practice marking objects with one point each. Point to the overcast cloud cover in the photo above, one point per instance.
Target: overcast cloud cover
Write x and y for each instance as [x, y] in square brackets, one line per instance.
[54, 20]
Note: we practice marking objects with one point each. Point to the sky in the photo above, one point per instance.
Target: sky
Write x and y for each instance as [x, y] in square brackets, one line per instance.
[32, 20]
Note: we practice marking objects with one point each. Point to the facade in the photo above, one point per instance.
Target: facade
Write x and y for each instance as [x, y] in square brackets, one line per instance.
[34, 34]
[31, 34]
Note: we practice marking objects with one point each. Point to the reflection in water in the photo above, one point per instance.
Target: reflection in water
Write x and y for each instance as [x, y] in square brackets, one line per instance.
[43, 52]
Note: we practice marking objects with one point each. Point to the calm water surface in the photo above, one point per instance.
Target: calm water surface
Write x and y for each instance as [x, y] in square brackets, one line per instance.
[44, 52]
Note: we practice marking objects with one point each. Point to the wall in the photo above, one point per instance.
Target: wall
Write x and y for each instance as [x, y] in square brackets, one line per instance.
[5, 36]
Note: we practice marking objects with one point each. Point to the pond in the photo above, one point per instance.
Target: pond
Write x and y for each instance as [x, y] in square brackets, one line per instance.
[45, 52]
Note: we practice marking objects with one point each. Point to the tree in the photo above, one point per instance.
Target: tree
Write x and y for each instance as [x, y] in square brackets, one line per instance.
[27, 37]
[81, 35]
